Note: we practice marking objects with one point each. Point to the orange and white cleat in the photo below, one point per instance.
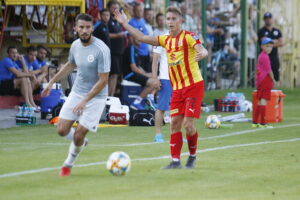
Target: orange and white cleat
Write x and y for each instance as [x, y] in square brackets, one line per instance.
[65, 171]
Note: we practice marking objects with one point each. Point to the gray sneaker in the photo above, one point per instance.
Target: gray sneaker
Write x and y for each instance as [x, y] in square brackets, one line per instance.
[173, 165]
[191, 162]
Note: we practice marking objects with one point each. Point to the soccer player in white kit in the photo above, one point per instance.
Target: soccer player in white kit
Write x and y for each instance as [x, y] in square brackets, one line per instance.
[87, 99]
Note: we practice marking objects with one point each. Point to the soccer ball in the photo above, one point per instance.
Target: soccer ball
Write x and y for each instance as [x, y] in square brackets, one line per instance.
[118, 163]
[212, 122]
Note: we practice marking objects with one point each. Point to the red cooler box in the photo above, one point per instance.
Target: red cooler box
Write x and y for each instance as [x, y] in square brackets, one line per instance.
[274, 106]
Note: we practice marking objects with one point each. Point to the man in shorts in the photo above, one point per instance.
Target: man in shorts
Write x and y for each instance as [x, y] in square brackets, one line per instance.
[184, 50]
[87, 98]
[135, 73]
[165, 89]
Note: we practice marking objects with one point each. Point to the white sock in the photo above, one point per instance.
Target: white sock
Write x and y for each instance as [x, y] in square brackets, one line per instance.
[138, 100]
[73, 154]
[70, 135]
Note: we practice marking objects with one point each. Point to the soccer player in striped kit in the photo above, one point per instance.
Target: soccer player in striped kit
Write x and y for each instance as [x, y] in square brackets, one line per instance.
[184, 50]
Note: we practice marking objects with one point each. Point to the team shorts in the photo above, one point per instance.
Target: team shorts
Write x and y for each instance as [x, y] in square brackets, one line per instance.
[90, 116]
[116, 64]
[187, 101]
[7, 87]
[264, 89]
[146, 63]
[138, 78]
[164, 94]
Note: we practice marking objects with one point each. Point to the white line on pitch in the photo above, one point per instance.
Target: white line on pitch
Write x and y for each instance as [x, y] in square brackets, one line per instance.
[152, 158]
[150, 143]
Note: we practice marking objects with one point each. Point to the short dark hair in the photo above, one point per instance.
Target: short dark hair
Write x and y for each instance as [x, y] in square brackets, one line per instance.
[31, 48]
[104, 10]
[9, 48]
[84, 17]
[158, 15]
[110, 3]
[42, 47]
[174, 10]
[147, 9]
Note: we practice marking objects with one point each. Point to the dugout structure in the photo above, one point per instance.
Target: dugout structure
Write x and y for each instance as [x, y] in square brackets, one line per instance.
[46, 20]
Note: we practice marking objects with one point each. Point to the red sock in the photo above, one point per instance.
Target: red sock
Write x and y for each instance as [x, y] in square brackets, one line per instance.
[263, 114]
[175, 145]
[192, 143]
[257, 114]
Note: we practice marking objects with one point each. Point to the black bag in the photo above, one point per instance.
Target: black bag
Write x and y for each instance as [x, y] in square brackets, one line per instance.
[141, 117]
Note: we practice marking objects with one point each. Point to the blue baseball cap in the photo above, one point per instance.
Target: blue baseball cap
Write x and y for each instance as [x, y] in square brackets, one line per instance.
[267, 15]
[267, 41]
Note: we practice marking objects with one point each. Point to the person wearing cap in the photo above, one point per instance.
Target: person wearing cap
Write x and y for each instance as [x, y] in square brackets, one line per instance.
[264, 83]
[275, 34]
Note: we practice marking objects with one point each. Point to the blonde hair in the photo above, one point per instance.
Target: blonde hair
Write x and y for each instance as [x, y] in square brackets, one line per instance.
[174, 10]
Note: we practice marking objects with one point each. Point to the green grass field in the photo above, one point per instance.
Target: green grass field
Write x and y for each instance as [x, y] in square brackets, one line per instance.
[242, 163]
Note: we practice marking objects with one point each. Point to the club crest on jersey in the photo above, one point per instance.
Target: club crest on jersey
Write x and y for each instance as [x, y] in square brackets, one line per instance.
[275, 33]
[90, 58]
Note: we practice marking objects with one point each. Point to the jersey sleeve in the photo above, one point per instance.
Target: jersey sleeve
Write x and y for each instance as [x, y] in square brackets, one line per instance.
[161, 40]
[104, 60]
[7, 63]
[192, 39]
[71, 59]
[35, 65]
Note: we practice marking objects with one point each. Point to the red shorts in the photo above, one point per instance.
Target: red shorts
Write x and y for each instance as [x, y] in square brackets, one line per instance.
[264, 89]
[187, 101]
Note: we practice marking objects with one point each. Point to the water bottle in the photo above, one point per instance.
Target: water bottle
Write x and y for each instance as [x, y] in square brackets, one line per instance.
[20, 112]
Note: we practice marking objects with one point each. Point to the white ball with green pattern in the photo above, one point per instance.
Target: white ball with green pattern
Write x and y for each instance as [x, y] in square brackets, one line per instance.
[118, 163]
[212, 122]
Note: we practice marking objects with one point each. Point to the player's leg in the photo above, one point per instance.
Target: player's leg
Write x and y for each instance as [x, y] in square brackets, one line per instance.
[192, 110]
[75, 148]
[176, 111]
[159, 117]
[163, 103]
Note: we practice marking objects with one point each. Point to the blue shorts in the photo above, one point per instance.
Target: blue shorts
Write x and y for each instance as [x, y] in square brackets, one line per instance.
[164, 93]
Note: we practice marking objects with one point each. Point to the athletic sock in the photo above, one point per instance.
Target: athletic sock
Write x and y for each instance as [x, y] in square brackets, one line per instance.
[263, 114]
[192, 143]
[70, 135]
[73, 154]
[138, 100]
[176, 145]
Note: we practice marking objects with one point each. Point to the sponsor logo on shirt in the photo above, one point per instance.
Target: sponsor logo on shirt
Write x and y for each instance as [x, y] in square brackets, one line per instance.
[172, 56]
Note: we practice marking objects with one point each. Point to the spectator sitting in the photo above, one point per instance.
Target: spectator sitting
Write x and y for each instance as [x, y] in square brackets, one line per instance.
[134, 72]
[139, 23]
[101, 30]
[42, 52]
[32, 66]
[160, 21]
[13, 80]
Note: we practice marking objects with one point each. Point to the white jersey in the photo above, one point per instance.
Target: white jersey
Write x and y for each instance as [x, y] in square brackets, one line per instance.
[163, 62]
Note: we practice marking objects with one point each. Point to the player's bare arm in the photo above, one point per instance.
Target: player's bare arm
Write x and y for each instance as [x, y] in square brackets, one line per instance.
[122, 19]
[201, 52]
[100, 84]
[66, 69]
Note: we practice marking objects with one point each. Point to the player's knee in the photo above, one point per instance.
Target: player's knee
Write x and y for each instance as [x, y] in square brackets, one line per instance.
[62, 131]
[189, 127]
[175, 126]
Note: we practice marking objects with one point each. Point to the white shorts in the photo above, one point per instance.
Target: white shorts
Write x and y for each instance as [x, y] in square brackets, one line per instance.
[91, 114]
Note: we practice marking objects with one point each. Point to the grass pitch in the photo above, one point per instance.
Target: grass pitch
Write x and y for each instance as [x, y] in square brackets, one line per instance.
[242, 163]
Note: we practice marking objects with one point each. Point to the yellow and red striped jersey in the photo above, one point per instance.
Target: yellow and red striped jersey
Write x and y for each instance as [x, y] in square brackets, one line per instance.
[183, 69]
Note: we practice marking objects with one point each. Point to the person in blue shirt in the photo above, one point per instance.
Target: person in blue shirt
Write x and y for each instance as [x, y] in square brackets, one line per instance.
[101, 28]
[138, 22]
[14, 79]
[42, 52]
[33, 67]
